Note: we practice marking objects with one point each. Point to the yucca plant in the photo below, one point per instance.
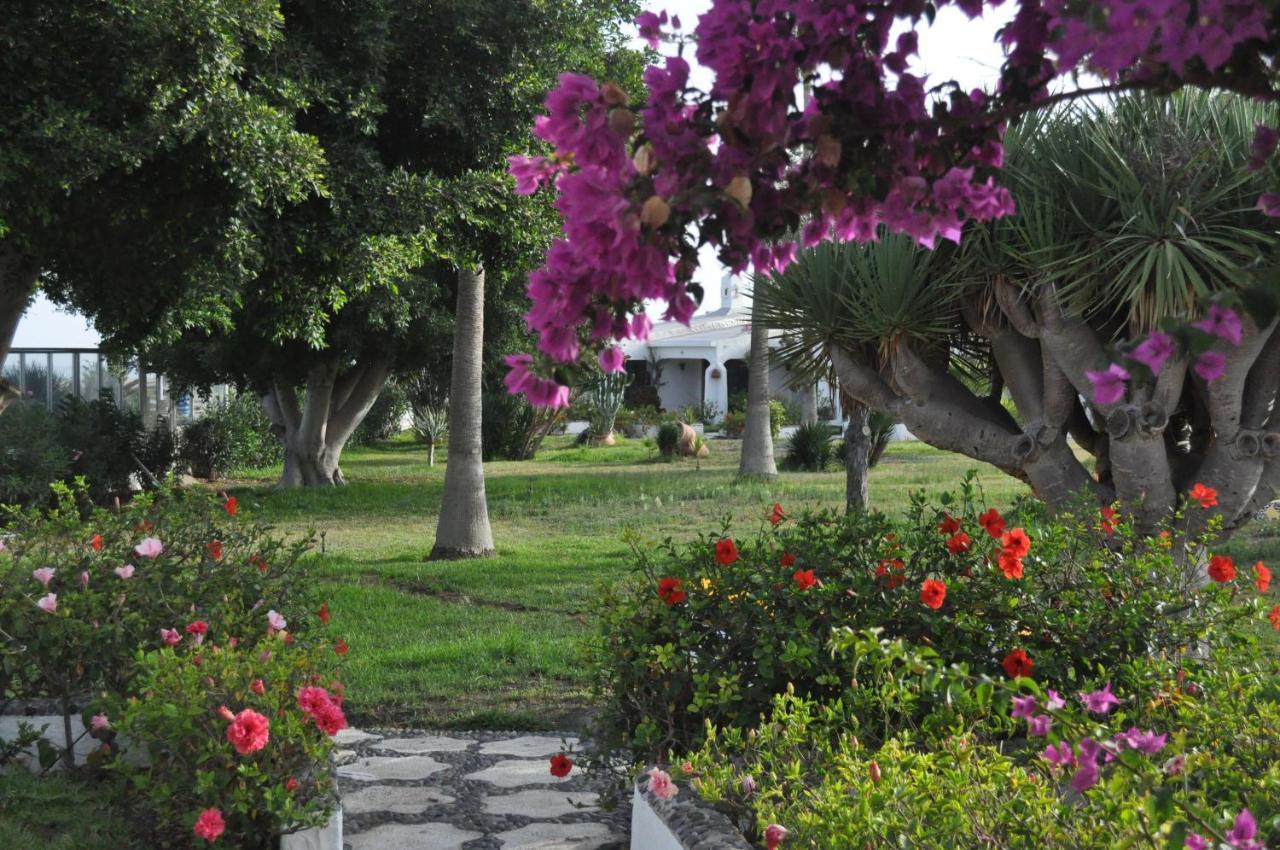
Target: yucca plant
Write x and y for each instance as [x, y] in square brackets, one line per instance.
[1130, 212]
[431, 424]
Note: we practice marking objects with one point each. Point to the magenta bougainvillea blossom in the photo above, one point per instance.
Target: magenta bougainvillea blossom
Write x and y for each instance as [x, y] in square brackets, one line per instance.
[817, 126]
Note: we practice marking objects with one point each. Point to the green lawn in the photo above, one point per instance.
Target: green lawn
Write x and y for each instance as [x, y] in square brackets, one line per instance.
[497, 642]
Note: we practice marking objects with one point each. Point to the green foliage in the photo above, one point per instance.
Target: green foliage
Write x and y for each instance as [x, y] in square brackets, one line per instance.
[749, 628]
[31, 455]
[882, 426]
[234, 435]
[513, 429]
[668, 439]
[189, 765]
[736, 420]
[810, 448]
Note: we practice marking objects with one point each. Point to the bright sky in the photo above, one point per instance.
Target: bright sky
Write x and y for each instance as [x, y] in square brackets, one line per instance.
[953, 48]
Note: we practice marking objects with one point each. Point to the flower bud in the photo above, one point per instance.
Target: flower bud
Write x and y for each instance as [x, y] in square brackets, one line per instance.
[874, 771]
[614, 95]
[622, 121]
[748, 786]
[655, 212]
[643, 160]
[739, 189]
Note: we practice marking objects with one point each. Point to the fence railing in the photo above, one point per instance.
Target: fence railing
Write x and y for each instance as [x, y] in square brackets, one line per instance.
[47, 375]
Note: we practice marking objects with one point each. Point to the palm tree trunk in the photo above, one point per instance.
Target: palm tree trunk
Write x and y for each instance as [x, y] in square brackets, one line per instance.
[857, 458]
[757, 438]
[463, 528]
[809, 405]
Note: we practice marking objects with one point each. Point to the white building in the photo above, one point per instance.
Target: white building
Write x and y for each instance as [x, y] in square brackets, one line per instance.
[704, 364]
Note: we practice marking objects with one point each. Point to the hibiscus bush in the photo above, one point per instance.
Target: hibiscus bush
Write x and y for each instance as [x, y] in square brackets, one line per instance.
[79, 596]
[1184, 760]
[713, 629]
[228, 742]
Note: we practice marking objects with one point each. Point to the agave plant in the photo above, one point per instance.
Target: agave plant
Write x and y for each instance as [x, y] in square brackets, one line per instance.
[1130, 212]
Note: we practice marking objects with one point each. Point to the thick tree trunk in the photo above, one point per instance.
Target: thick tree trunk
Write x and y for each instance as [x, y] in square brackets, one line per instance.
[857, 458]
[809, 405]
[18, 276]
[315, 434]
[757, 437]
[462, 530]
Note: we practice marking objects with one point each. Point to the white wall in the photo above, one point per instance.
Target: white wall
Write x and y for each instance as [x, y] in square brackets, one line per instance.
[681, 387]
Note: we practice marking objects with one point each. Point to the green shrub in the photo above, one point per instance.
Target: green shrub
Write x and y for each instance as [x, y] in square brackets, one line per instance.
[31, 455]
[882, 426]
[736, 420]
[810, 448]
[383, 421]
[669, 439]
[234, 435]
[513, 429]
[109, 446]
[746, 626]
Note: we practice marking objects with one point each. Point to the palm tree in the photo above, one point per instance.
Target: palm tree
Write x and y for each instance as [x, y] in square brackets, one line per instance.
[463, 528]
[757, 436]
[1128, 212]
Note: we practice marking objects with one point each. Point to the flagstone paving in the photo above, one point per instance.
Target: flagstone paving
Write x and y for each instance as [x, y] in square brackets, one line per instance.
[407, 790]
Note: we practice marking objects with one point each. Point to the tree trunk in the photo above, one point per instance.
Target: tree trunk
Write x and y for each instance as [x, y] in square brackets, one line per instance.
[857, 458]
[315, 434]
[463, 528]
[757, 437]
[18, 277]
[431, 453]
[809, 405]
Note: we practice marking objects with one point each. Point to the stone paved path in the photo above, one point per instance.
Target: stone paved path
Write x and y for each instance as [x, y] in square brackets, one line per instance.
[406, 790]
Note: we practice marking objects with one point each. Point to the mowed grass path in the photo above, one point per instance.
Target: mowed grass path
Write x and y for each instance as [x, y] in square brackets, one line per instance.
[497, 642]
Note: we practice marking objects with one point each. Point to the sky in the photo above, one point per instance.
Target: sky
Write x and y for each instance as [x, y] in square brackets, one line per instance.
[953, 48]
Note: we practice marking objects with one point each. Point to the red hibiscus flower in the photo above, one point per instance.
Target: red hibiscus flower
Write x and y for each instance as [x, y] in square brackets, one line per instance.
[197, 627]
[1017, 663]
[992, 522]
[231, 506]
[777, 516]
[291, 784]
[323, 613]
[949, 525]
[932, 593]
[787, 559]
[671, 590]
[1010, 565]
[1016, 543]
[1274, 617]
[1262, 577]
[96, 542]
[258, 687]
[1108, 522]
[726, 551]
[249, 732]
[891, 571]
[1222, 568]
[214, 548]
[258, 561]
[1206, 496]
[804, 579]
[561, 765]
[957, 543]
[341, 647]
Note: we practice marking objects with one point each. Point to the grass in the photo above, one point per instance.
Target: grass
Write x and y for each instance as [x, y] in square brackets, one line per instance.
[497, 642]
[57, 813]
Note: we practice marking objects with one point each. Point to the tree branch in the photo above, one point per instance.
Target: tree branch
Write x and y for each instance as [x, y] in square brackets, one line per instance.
[1262, 386]
[316, 407]
[360, 397]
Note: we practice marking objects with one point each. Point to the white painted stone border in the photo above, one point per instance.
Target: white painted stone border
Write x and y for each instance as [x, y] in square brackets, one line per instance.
[648, 831]
[327, 837]
[682, 823]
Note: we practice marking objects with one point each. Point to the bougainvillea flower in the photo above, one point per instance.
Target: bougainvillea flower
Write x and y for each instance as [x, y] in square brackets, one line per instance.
[1222, 568]
[1039, 725]
[1099, 702]
[957, 543]
[231, 506]
[561, 765]
[1210, 365]
[44, 575]
[1017, 663]
[1196, 841]
[48, 603]
[804, 579]
[1261, 577]
[777, 516]
[774, 834]
[1023, 708]
[726, 551]
[671, 590]
[1222, 322]
[933, 593]
[949, 525]
[1016, 543]
[1055, 702]
[1153, 351]
[1206, 496]
[1059, 755]
[1243, 831]
[612, 360]
[210, 825]
[1109, 384]
[1086, 775]
[660, 784]
[125, 571]
[150, 547]
[1144, 741]
[249, 732]
[95, 542]
[787, 560]
[992, 522]
[1009, 565]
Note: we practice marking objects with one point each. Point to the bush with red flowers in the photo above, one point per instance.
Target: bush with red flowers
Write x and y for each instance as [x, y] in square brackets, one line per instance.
[712, 629]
